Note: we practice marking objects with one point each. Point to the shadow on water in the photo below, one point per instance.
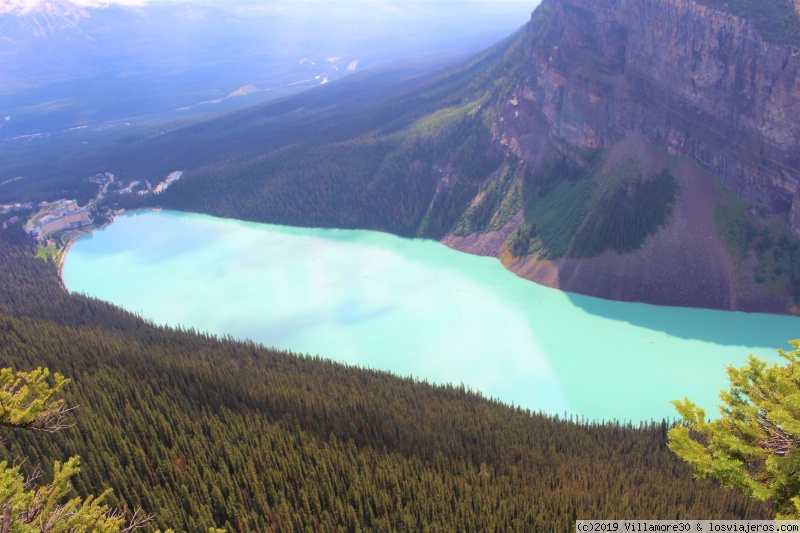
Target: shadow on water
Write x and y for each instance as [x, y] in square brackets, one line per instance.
[731, 328]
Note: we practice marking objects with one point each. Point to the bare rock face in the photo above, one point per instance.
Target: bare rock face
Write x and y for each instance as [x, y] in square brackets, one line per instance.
[693, 80]
[678, 83]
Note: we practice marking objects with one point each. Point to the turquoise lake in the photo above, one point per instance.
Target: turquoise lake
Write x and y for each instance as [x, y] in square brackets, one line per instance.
[417, 308]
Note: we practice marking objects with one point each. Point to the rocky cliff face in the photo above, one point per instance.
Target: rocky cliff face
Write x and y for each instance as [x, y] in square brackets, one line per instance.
[693, 80]
[676, 84]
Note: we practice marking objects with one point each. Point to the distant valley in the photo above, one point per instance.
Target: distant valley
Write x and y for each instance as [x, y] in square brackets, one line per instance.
[111, 66]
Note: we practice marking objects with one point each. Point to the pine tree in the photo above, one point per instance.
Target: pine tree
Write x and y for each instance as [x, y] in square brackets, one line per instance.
[27, 401]
[755, 444]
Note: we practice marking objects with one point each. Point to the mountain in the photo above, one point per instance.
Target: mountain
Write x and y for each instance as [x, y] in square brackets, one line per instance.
[685, 86]
[39, 21]
[508, 153]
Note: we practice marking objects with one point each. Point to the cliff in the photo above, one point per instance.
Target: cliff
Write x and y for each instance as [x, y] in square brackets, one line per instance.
[693, 80]
[676, 84]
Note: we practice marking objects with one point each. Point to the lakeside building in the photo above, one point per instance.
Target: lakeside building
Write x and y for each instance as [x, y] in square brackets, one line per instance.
[70, 218]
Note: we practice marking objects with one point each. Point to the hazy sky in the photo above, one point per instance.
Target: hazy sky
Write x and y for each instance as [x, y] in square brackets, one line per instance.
[237, 6]
[22, 4]
[7, 6]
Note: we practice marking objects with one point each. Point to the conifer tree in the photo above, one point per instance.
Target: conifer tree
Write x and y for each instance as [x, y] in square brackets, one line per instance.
[755, 444]
[27, 401]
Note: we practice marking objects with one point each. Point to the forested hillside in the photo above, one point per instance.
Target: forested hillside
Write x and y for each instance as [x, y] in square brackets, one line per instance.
[370, 151]
[365, 153]
[206, 431]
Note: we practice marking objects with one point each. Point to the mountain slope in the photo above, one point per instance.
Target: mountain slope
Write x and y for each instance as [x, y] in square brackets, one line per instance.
[367, 152]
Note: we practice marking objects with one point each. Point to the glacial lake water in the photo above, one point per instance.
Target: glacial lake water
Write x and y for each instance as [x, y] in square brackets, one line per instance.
[417, 308]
